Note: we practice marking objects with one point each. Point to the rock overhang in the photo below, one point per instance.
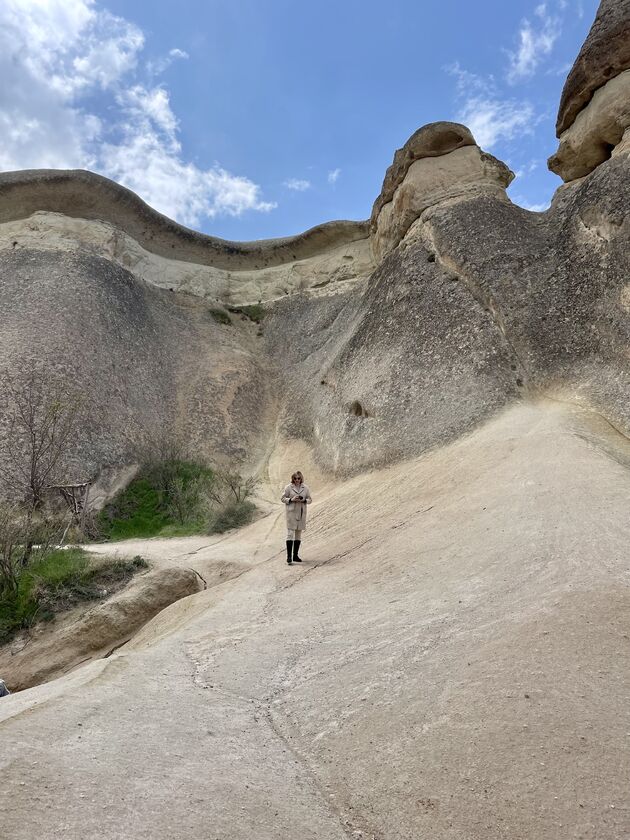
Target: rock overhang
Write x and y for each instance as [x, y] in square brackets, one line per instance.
[440, 162]
[594, 110]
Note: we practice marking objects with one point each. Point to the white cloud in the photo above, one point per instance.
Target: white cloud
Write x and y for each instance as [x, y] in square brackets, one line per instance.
[532, 207]
[491, 120]
[141, 104]
[333, 176]
[470, 84]
[488, 115]
[154, 68]
[526, 169]
[535, 42]
[56, 58]
[297, 184]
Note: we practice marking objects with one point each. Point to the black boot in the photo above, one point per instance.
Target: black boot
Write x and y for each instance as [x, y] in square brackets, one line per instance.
[289, 547]
[296, 548]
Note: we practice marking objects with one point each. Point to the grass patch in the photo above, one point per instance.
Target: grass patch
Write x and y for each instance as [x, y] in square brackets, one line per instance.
[136, 512]
[178, 499]
[163, 501]
[57, 580]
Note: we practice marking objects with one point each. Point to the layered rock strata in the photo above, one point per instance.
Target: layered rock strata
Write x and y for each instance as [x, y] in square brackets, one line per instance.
[448, 305]
[440, 162]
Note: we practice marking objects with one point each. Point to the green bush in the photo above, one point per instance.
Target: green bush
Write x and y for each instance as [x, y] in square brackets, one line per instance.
[176, 498]
[165, 499]
[58, 579]
[254, 312]
[233, 515]
[220, 316]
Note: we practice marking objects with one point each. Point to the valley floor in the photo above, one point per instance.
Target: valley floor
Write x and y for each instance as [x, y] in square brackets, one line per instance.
[452, 660]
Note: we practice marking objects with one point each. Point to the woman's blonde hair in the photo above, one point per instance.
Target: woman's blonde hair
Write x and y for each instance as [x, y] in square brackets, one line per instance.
[295, 475]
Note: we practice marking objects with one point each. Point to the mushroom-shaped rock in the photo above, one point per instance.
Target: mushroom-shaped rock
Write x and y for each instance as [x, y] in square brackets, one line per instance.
[440, 162]
[594, 109]
[604, 55]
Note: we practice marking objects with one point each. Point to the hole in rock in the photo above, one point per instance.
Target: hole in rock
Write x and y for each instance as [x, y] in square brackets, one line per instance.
[431, 258]
[357, 410]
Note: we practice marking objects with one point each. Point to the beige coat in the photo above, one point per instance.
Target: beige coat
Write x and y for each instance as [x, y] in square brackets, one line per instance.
[296, 511]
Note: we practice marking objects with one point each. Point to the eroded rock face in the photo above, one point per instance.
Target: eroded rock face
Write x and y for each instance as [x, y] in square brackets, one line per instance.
[594, 110]
[147, 363]
[597, 131]
[439, 163]
[473, 302]
[604, 55]
[481, 303]
[95, 630]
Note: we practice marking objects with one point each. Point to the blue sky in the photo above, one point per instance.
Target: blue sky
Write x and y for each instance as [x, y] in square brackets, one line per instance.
[250, 119]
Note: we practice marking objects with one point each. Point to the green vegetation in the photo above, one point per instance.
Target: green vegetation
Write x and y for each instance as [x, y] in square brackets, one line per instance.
[220, 316]
[254, 312]
[177, 498]
[164, 500]
[58, 579]
[233, 515]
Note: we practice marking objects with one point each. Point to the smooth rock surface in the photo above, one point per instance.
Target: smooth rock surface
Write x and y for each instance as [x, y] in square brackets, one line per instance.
[429, 181]
[449, 662]
[45, 231]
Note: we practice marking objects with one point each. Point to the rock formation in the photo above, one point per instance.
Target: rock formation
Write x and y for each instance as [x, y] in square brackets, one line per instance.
[451, 659]
[594, 109]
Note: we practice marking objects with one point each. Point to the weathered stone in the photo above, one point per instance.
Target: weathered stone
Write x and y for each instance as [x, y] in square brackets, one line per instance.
[596, 132]
[147, 363]
[594, 111]
[430, 180]
[95, 630]
[432, 140]
[84, 195]
[604, 55]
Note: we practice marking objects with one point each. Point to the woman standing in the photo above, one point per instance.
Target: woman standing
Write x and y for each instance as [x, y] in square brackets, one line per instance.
[296, 497]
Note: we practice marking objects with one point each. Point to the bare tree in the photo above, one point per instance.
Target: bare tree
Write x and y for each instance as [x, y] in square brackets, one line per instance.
[40, 428]
[13, 541]
[232, 487]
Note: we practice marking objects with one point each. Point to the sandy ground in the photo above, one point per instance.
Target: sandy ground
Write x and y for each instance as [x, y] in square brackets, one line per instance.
[450, 661]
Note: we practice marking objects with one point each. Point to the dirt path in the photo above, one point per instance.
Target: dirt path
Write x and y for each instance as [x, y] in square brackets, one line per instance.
[451, 661]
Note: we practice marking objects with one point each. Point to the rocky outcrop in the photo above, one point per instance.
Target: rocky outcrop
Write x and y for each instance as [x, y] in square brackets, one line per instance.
[455, 305]
[50, 210]
[440, 162]
[86, 634]
[85, 195]
[604, 55]
[594, 110]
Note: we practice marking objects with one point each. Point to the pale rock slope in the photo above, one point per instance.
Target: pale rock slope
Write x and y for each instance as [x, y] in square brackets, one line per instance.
[451, 660]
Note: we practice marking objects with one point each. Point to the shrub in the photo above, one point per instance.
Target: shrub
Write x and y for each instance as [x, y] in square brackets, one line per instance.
[58, 579]
[168, 498]
[178, 498]
[254, 312]
[220, 316]
[233, 515]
